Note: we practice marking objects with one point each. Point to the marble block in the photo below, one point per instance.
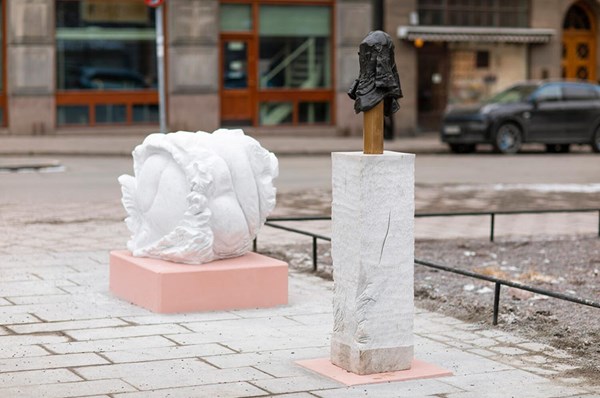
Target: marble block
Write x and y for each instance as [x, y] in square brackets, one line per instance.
[373, 261]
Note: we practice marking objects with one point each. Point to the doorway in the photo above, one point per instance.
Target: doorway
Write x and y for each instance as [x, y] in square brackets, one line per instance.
[579, 43]
[238, 82]
[433, 68]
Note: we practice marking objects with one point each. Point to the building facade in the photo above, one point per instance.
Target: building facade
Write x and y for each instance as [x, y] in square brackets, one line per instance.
[460, 51]
[282, 66]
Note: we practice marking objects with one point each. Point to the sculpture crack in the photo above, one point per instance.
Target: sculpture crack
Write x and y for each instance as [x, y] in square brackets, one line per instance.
[387, 232]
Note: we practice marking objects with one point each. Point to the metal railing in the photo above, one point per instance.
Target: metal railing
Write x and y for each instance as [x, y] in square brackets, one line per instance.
[493, 214]
[498, 282]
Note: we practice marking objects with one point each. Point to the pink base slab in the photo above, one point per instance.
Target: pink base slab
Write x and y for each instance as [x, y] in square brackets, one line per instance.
[249, 281]
[418, 370]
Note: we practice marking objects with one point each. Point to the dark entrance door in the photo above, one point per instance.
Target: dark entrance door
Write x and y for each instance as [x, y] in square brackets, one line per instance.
[432, 66]
[238, 81]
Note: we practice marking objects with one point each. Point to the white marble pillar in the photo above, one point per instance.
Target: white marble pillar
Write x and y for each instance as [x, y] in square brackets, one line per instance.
[373, 261]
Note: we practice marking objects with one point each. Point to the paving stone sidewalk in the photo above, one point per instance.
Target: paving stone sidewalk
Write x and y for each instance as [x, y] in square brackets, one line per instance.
[64, 335]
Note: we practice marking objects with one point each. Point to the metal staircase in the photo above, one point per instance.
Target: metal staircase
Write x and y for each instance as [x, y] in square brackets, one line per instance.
[302, 69]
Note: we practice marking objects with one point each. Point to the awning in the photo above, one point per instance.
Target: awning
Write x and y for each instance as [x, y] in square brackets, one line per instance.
[475, 34]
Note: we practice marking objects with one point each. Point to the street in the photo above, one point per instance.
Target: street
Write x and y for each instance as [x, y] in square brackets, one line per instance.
[94, 179]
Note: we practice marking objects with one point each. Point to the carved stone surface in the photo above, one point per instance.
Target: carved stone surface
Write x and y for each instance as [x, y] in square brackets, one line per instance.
[198, 197]
[373, 261]
[378, 80]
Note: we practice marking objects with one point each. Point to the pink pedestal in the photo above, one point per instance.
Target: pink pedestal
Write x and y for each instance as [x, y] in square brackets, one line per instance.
[418, 370]
[249, 281]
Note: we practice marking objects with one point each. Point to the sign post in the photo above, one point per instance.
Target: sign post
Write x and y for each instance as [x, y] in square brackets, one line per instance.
[160, 62]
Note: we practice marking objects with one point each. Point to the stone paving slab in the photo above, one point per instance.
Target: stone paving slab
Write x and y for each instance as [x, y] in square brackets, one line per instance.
[63, 334]
[103, 346]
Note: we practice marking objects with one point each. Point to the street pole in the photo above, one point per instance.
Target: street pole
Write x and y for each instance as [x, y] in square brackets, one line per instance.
[160, 58]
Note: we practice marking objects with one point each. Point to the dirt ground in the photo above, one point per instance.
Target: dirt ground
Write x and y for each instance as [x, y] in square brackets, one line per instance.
[564, 264]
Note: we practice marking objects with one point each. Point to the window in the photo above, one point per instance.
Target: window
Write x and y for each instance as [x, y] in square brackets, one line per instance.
[236, 17]
[104, 48]
[276, 64]
[505, 13]
[482, 59]
[577, 18]
[294, 47]
[579, 92]
[549, 92]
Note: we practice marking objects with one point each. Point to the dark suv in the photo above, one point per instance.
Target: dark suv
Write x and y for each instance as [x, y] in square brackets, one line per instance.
[555, 113]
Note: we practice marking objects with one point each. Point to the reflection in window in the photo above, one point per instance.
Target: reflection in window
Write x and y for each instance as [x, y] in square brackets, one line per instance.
[235, 65]
[73, 115]
[111, 113]
[145, 113]
[295, 47]
[235, 17]
[105, 45]
[548, 93]
[579, 92]
[274, 113]
[313, 112]
[474, 13]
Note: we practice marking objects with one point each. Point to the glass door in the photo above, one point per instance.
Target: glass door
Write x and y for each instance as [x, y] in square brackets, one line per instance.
[238, 81]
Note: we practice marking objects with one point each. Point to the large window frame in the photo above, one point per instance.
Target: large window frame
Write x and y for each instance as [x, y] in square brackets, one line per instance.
[295, 96]
[497, 13]
[95, 99]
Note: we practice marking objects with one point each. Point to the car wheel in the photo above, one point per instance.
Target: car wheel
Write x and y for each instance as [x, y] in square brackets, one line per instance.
[462, 148]
[558, 148]
[508, 138]
[596, 141]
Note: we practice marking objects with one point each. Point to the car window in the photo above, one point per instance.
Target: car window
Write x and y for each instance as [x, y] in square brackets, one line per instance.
[578, 92]
[550, 92]
[513, 94]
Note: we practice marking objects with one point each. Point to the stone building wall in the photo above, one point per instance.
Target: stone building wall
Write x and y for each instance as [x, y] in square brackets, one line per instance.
[30, 66]
[353, 23]
[396, 13]
[193, 65]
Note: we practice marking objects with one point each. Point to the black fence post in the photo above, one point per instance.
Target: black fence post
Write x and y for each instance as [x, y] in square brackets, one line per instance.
[254, 245]
[314, 248]
[492, 226]
[496, 302]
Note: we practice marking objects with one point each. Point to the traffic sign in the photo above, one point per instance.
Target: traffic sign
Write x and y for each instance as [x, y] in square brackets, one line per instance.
[154, 3]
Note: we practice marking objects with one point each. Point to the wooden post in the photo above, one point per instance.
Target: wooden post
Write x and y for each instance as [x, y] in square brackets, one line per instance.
[373, 130]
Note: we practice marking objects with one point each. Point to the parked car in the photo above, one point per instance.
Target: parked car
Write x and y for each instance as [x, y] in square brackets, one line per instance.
[110, 79]
[555, 113]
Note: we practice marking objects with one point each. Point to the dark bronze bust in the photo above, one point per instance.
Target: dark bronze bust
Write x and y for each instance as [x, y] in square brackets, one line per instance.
[378, 80]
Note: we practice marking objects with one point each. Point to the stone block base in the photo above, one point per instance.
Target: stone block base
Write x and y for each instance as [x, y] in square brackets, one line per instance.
[249, 281]
[418, 370]
[364, 362]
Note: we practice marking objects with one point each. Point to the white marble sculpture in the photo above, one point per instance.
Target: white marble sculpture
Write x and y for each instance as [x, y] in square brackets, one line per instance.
[198, 197]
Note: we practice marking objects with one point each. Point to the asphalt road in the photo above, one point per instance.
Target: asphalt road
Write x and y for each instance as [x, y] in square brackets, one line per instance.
[94, 179]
